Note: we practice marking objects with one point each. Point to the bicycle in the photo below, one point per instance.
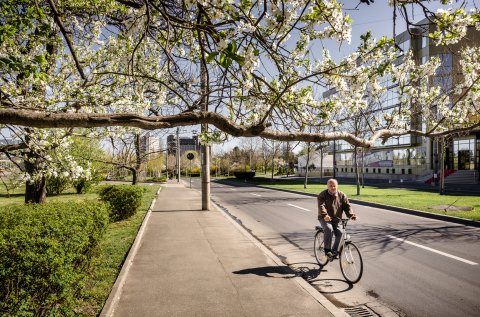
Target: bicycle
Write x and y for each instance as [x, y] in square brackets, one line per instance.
[351, 263]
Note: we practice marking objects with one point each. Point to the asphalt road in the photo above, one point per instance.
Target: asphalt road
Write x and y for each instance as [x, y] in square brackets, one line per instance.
[417, 266]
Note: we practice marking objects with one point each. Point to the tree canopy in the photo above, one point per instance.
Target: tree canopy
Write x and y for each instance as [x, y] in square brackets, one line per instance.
[248, 68]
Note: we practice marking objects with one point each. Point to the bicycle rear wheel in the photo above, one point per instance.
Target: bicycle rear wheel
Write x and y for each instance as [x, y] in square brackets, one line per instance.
[318, 246]
[351, 263]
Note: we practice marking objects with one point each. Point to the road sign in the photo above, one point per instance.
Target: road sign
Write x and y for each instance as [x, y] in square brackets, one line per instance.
[190, 156]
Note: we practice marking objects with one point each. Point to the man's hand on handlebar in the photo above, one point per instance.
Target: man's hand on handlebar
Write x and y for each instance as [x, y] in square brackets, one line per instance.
[327, 218]
[353, 217]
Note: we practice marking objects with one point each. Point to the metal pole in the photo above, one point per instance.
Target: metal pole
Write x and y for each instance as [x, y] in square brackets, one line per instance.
[166, 162]
[177, 152]
[205, 148]
[190, 173]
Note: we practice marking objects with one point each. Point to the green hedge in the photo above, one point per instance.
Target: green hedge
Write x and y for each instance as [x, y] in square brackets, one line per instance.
[124, 200]
[45, 254]
[244, 175]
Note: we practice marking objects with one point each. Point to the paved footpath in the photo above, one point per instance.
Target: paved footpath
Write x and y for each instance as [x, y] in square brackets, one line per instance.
[190, 262]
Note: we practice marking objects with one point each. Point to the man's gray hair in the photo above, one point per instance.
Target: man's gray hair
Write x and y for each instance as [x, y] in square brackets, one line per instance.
[332, 180]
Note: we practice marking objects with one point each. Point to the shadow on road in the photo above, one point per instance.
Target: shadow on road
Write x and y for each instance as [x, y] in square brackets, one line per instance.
[270, 271]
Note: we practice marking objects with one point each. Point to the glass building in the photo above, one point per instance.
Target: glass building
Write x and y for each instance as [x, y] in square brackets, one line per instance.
[411, 157]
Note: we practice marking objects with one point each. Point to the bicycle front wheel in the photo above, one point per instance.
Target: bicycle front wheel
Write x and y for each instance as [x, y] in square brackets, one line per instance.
[351, 263]
[318, 246]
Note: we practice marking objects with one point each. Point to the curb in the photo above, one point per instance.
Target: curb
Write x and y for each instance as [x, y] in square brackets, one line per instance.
[419, 213]
[466, 222]
[111, 303]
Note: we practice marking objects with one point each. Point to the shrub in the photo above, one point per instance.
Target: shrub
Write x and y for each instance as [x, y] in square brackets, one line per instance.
[56, 185]
[124, 200]
[45, 254]
[244, 175]
[83, 185]
[161, 179]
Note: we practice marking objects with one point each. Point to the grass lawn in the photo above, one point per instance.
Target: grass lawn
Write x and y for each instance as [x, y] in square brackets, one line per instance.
[112, 250]
[406, 198]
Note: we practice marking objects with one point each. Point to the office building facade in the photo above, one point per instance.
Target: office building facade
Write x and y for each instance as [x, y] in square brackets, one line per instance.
[412, 157]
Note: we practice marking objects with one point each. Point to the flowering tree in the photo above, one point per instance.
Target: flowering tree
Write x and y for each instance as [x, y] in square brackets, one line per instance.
[42, 154]
[244, 67]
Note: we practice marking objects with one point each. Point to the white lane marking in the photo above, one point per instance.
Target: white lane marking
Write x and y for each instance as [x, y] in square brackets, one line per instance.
[299, 207]
[256, 195]
[435, 251]
[232, 189]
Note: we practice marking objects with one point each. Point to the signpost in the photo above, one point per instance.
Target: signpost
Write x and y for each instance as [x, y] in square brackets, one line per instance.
[190, 157]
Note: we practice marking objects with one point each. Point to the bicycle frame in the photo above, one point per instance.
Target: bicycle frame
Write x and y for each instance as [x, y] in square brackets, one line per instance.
[351, 263]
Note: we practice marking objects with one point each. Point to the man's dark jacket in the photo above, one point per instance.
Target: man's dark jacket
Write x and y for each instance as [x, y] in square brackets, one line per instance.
[333, 205]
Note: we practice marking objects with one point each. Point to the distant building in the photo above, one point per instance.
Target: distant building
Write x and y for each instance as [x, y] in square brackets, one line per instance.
[186, 144]
[316, 166]
[149, 144]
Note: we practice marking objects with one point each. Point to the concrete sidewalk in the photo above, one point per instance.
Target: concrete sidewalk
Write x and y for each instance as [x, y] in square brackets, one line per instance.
[189, 262]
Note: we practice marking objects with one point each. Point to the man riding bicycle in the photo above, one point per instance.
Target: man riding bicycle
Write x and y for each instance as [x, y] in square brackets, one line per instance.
[331, 205]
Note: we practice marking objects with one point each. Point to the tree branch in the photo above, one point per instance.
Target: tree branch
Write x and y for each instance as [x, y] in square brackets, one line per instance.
[68, 120]
[56, 17]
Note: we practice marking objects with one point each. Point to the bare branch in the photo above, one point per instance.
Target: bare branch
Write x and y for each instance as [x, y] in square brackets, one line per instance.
[56, 17]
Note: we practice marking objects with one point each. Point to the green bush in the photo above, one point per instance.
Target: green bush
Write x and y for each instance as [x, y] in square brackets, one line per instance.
[83, 185]
[45, 254]
[161, 179]
[244, 175]
[124, 200]
[56, 185]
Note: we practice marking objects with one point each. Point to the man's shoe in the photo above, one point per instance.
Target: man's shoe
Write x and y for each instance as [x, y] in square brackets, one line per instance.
[335, 254]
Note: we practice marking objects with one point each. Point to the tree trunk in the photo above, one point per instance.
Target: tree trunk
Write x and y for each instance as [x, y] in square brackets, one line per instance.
[441, 145]
[363, 168]
[134, 176]
[273, 167]
[36, 189]
[306, 166]
[288, 158]
[321, 163]
[273, 160]
[357, 174]
[138, 160]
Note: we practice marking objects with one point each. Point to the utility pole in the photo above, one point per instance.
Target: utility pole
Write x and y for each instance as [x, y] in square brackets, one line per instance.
[177, 152]
[205, 148]
[166, 162]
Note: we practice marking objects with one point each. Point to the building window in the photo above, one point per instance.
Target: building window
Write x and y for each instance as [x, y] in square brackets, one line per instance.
[403, 171]
[388, 170]
[409, 171]
[367, 170]
[379, 170]
[464, 155]
[393, 171]
[374, 170]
